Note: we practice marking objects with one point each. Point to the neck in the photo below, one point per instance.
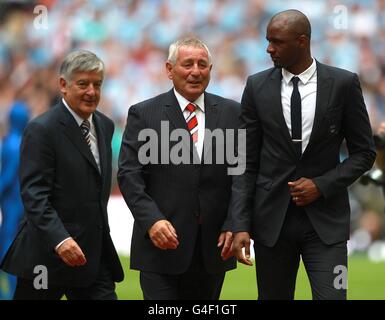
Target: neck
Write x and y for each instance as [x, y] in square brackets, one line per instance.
[301, 66]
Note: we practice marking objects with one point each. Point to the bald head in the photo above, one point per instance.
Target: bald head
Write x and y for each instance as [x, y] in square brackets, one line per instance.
[294, 21]
[288, 34]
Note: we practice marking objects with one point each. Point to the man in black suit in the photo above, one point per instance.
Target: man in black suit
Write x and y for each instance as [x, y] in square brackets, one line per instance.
[293, 199]
[63, 245]
[181, 238]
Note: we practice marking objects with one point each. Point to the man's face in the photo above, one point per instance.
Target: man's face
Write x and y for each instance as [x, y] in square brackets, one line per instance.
[82, 92]
[284, 45]
[191, 72]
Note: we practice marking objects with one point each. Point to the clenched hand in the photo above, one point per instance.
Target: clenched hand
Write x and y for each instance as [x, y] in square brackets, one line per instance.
[163, 235]
[70, 252]
[304, 191]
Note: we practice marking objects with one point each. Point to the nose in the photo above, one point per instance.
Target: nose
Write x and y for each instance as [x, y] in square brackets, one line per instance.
[195, 70]
[270, 48]
[91, 90]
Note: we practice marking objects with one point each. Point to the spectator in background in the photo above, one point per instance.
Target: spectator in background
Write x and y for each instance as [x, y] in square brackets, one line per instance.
[10, 200]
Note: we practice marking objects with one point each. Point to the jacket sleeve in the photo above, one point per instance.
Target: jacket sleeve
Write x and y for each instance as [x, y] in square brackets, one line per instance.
[37, 172]
[131, 174]
[243, 187]
[359, 140]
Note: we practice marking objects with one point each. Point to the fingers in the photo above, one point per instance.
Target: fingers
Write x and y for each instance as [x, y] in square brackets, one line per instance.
[300, 201]
[171, 229]
[303, 191]
[221, 239]
[297, 191]
[242, 240]
[298, 185]
[227, 239]
[71, 254]
[163, 235]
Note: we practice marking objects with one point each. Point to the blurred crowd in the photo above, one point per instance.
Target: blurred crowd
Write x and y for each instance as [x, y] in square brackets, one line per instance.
[132, 37]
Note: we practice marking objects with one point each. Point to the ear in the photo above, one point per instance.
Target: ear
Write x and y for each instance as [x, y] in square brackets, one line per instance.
[169, 67]
[303, 40]
[63, 85]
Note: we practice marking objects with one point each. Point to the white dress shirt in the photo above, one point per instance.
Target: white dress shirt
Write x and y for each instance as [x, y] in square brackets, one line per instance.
[200, 114]
[307, 87]
[93, 135]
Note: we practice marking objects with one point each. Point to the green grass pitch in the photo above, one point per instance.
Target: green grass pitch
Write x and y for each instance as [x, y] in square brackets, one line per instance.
[366, 281]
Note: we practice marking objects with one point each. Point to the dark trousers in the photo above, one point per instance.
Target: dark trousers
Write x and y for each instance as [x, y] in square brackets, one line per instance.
[194, 284]
[277, 266]
[102, 289]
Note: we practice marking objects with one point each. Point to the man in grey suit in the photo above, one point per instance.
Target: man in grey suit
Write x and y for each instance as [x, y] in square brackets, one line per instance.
[65, 176]
[293, 198]
[181, 238]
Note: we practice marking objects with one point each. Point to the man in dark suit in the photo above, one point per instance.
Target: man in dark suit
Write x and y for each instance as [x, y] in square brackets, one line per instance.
[293, 199]
[63, 245]
[181, 238]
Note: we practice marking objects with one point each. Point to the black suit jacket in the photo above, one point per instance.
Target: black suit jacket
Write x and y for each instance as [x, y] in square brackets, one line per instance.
[179, 193]
[64, 194]
[261, 196]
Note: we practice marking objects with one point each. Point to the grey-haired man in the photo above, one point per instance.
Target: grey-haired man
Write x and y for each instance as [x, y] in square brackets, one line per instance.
[63, 246]
[181, 239]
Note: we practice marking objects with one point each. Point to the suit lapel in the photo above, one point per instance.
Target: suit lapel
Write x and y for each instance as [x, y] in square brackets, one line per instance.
[174, 112]
[274, 99]
[72, 131]
[100, 131]
[175, 115]
[324, 86]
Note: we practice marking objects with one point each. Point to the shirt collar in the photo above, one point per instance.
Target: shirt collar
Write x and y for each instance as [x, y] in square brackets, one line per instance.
[304, 76]
[78, 119]
[183, 102]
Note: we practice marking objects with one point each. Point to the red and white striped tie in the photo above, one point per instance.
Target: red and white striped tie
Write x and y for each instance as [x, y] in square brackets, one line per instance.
[192, 122]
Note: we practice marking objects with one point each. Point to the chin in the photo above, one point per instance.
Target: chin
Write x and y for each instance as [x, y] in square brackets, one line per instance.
[278, 65]
[89, 106]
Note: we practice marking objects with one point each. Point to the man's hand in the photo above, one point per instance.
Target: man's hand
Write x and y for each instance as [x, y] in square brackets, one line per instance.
[225, 239]
[242, 240]
[71, 254]
[163, 235]
[304, 191]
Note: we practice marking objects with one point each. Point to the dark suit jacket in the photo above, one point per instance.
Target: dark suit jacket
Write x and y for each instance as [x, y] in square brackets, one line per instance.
[179, 193]
[63, 195]
[261, 196]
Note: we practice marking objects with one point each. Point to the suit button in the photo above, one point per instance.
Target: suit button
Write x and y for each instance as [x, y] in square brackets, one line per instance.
[100, 227]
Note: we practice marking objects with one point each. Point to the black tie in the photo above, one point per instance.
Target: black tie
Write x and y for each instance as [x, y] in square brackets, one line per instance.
[85, 127]
[296, 117]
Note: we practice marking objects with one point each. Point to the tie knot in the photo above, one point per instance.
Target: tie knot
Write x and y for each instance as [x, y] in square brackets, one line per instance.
[85, 127]
[191, 107]
[295, 81]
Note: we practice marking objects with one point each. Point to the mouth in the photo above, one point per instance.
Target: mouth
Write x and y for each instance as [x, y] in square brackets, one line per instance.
[194, 82]
[88, 102]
